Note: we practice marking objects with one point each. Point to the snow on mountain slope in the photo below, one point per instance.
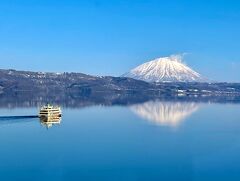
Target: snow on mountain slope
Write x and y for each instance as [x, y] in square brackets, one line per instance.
[166, 69]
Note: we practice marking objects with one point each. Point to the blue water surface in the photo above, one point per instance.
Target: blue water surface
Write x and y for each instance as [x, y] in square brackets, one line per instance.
[150, 141]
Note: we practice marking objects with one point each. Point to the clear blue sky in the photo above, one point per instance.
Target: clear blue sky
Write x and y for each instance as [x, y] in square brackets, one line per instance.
[109, 37]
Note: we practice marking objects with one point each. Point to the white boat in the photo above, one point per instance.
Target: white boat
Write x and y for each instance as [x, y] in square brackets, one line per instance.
[50, 111]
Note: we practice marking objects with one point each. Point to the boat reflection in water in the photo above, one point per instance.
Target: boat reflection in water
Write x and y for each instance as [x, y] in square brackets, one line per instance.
[165, 113]
[49, 121]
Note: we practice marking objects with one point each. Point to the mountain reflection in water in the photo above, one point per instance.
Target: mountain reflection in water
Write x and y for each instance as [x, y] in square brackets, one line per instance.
[165, 113]
[162, 113]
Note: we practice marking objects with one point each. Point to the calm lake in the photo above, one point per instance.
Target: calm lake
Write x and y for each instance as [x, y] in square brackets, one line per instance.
[154, 140]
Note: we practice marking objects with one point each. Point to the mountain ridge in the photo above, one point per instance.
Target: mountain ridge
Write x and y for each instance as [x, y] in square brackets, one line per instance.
[79, 86]
[165, 69]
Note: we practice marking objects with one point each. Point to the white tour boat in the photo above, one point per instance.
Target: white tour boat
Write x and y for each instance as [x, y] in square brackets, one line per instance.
[50, 111]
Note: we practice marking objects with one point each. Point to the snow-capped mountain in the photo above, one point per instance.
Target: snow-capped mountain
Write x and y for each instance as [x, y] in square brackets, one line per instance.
[166, 69]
